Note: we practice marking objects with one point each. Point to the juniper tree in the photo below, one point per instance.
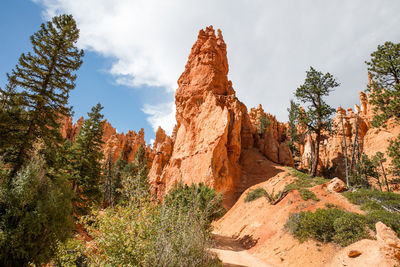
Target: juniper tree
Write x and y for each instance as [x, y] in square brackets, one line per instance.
[40, 85]
[318, 113]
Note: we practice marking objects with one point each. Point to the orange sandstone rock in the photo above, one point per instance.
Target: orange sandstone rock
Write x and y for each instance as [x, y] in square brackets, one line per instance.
[213, 127]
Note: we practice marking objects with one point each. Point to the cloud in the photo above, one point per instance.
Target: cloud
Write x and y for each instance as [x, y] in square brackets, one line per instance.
[161, 115]
[270, 43]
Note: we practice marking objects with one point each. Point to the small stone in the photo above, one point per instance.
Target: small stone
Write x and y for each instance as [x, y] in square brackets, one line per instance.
[354, 253]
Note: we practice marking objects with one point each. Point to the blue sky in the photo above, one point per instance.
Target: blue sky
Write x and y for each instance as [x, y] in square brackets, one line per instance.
[137, 49]
[19, 19]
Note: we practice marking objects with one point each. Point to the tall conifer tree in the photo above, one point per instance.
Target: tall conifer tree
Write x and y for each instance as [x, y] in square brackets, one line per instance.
[40, 84]
[86, 159]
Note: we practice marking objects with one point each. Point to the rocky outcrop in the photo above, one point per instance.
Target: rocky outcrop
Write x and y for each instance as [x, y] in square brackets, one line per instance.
[213, 127]
[209, 117]
[347, 125]
[115, 145]
[271, 141]
[68, 129]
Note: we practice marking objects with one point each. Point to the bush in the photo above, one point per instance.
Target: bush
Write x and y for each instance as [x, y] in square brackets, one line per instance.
[307, 194]
[35, 212]
[71, 253]
[144, 233]
[255, 193]
[303, 182]
[349, 228]
[327, 225]
[380, 206]
[199, 199]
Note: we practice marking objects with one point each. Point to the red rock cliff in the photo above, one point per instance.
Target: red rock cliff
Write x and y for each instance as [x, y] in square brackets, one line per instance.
[114, 143]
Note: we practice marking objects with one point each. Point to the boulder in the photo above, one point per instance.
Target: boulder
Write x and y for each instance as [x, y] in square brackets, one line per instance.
[336, 185]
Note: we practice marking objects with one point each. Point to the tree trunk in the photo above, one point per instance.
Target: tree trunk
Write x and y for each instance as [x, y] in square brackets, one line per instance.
[354, 145]
[345, 155]
[316, 156]
[384, 176]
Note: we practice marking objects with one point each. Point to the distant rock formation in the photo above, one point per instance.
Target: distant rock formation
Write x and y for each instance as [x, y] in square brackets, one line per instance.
[115, 144]
[370, 140]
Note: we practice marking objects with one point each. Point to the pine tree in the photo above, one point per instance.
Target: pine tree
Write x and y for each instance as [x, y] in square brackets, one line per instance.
[86, 156]
[384, 69]
[40, 86]
[318, 113]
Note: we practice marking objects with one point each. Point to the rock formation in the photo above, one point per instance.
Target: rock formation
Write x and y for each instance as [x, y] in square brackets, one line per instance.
[114, 143]
[355, 122]
[213, 127]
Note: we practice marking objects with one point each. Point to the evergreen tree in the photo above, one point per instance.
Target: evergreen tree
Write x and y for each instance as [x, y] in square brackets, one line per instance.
[384, 69]
[86, 156]
[40, 85]
[263, 124]
[318, 113]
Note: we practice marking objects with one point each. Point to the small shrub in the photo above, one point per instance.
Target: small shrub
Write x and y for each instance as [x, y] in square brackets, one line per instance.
[255, 193]
[307, 194]
[349, 228]
[380, 206]
[330, 206]
[201, 199]
[327, 225]
[303, 182]
[71, 253]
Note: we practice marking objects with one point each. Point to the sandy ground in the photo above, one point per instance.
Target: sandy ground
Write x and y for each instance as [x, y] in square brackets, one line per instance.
[233, 254]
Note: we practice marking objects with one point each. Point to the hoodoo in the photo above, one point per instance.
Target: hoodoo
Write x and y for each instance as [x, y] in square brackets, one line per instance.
[213, 127]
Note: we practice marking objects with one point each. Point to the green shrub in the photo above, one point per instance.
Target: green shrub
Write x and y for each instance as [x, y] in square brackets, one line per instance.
[379, 206]
[307, 194]
[35, 212]
[200, 199]
[175, 233]
[303, 182]
[71, 253]
[327, 225]
[254, 194]
[349, 228]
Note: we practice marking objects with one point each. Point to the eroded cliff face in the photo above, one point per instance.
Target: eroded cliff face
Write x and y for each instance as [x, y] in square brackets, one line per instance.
[115, 144]
[213, 127]
[347, 125]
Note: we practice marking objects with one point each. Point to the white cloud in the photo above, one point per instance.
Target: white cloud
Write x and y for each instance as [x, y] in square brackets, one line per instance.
[161, 115]
[270, 43]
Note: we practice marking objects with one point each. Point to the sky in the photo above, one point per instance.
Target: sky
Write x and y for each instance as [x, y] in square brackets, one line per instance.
[135, 50]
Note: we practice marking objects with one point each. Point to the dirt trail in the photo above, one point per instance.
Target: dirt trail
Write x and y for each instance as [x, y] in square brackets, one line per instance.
[233, 254]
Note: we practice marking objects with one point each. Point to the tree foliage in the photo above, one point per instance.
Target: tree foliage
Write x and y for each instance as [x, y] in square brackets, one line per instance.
[36, 95]
[85, 155]
[384, 69]
[35, 212]
[317, 114]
